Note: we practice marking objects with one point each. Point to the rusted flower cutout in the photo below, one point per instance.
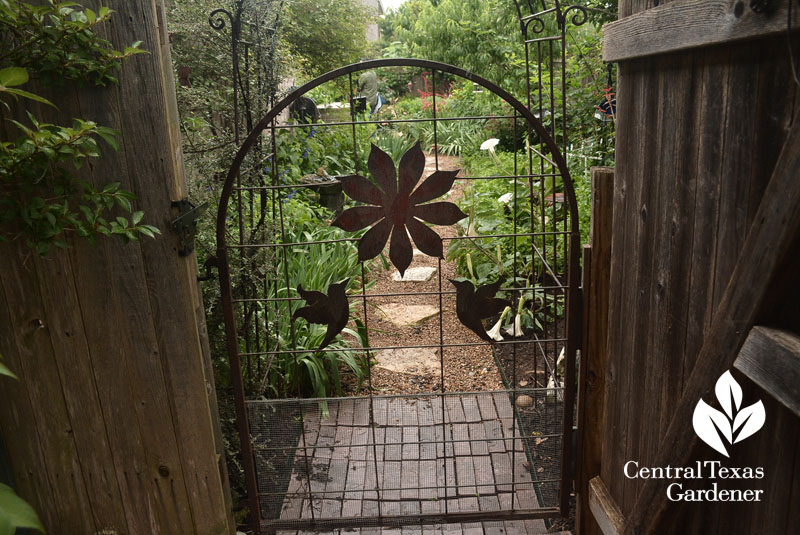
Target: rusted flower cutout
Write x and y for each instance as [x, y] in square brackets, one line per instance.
[398, 208]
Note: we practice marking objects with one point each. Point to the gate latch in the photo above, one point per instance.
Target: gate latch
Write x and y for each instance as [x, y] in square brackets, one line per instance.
[185, 225]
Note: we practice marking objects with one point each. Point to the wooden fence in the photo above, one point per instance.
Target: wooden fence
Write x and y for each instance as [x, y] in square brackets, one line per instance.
[702, 271]
[112, 428]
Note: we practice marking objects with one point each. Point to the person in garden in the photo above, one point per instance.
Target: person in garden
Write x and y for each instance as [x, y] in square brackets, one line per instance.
[368, 88]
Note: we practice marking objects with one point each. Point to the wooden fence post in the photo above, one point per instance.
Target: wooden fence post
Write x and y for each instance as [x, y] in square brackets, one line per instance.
[596, 276]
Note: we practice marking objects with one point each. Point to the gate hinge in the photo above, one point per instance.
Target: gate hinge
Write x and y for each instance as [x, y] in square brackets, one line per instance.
[185, 225]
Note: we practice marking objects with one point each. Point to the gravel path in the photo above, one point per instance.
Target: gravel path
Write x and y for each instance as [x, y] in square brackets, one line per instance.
[466, 369]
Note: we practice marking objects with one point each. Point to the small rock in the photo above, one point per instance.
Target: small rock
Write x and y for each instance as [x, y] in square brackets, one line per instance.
[523, 384]
[472, 374]
[416, 274]
[524, 400]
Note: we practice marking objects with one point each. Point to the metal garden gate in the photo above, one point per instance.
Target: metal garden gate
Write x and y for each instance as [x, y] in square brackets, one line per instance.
[437, 455]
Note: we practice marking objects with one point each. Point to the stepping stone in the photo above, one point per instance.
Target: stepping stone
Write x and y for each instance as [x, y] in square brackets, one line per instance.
[415, 274]
[408, 315]
[414, 360]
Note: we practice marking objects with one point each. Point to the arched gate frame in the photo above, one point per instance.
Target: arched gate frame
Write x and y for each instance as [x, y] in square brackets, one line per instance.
[517, 489]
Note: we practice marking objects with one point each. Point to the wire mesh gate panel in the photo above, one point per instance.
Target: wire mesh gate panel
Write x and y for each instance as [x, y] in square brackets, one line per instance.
[401, 456]
[300, 309]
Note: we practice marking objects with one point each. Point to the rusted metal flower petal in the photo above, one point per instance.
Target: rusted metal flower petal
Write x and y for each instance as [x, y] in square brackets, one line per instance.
[434, 186]
[383, 170]
[358, 217]
[332, 309]
[412, 165]
[393, 207]
[400, 251]
[473, 305]
[360, 189]
[425, 239]
[371, 244]
[439, 213]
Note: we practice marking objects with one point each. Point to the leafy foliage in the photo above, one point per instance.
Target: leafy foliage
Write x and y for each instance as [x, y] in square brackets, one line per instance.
[37, 169]
[15, 513]
[326, 34]
[481, 35]
[43, 199]
[59, 42]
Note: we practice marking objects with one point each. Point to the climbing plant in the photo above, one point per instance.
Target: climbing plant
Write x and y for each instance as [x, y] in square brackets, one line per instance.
[43, 199]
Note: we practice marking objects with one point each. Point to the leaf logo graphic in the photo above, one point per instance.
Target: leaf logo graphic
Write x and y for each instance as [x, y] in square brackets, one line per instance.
[734, 425]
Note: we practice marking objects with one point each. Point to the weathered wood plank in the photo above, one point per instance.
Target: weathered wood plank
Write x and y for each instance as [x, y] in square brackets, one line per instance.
[471, 412]
[427, 437]
[686, 24]
[333, 494]
[391, 480]
[771, 359]
[773, 232]
[425, 414]
[715, 100]
[354, 487]
[369, 506]
[503, 477]
[380, 407]
[171, 281]
[393, 448]
[292, 506]
[591, 399]
[454, 411]
[673, 216]
[17, 419]
[395, 411]
[81, 395]
[461, 439]
[465, 475]
[409, 482]
[484, 476]
[643, 227]
[361, 413]
[605, 510]
[634, 91]
[411, 443]
[486, 407]
[428, 477]
[477, 436]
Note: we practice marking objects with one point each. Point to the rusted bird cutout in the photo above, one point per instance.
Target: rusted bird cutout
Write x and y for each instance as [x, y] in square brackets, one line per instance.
[398, 208]
[473, 305]
[332, 310]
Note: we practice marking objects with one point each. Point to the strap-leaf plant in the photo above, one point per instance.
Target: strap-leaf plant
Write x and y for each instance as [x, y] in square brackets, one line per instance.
[42, 200]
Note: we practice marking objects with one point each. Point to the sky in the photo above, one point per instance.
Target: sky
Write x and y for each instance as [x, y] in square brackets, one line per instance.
[391, 4]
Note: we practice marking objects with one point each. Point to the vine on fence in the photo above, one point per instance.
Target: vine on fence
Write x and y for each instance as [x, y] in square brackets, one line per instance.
[43, 200]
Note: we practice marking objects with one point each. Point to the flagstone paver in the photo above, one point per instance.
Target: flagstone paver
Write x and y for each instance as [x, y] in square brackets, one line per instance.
[407, 315]
[415, 274]
[412, 360]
